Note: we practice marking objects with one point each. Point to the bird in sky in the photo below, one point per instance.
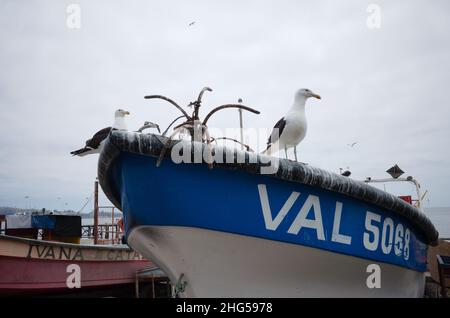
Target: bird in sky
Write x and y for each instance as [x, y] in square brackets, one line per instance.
[352, 144]
[95, 144]
[290, 130]
[192, 23]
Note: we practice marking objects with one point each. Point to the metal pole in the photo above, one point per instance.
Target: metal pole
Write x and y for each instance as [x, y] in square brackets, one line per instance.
[96, 212]
[241, 125]
[153, 286]
[169, 288]
[136, 284]
[112, 226]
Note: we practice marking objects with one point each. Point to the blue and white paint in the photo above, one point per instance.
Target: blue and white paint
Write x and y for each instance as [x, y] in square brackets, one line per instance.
[382, 237]
[191, 195]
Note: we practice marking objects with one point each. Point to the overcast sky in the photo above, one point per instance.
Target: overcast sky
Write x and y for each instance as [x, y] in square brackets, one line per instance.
[386, 88]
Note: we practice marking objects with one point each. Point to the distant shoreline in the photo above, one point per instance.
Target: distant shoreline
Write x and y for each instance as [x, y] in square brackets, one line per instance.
[90, 215]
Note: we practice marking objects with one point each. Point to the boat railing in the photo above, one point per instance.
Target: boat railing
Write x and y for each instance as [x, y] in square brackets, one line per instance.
[106, 233]
[417, 201]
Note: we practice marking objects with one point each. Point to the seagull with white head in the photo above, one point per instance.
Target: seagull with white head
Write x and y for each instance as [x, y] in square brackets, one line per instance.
[95, 144]
[290, 130]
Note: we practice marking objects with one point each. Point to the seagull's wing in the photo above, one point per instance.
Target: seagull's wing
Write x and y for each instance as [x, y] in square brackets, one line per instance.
[99, 136]
[88, 142]
[274, 136]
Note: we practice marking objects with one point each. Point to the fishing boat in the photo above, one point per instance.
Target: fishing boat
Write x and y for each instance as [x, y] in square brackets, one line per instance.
[226, 222]
[57, 264]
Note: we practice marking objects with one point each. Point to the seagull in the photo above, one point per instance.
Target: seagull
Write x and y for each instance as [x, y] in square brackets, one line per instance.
[290, 130]
[352, 144]
[346, 173]
[95, 144]
[192, 23]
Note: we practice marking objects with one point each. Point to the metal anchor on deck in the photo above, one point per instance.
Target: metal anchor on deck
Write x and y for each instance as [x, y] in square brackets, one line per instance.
[193, 124]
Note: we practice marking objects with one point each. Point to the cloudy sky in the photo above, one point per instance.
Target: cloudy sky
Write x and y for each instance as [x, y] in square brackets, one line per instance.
[385, 88]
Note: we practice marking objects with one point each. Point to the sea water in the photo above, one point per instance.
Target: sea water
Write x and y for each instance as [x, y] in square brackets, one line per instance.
[440, 216]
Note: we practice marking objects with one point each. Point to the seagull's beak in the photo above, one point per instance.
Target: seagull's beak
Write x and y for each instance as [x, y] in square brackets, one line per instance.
[316, 96]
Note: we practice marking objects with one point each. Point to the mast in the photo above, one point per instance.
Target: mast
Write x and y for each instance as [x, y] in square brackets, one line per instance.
[95, 231]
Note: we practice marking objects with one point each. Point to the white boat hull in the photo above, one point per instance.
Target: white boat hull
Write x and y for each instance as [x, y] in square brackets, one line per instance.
[219, 264]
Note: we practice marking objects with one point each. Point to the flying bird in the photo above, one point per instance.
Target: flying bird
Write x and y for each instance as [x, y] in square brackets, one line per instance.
[290, 130]
[192, 23]
[352, 144]
[95, 144]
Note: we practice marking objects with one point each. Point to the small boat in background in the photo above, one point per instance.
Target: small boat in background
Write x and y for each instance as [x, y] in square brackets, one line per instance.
[57, 263]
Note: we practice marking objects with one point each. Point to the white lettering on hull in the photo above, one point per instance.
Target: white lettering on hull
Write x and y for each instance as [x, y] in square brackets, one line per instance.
[312, 202]
[381, 234]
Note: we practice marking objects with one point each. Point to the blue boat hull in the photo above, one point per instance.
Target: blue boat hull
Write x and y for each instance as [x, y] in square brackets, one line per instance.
[241, 206]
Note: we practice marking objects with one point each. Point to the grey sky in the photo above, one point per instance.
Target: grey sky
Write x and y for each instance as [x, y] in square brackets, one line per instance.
[384, 88]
